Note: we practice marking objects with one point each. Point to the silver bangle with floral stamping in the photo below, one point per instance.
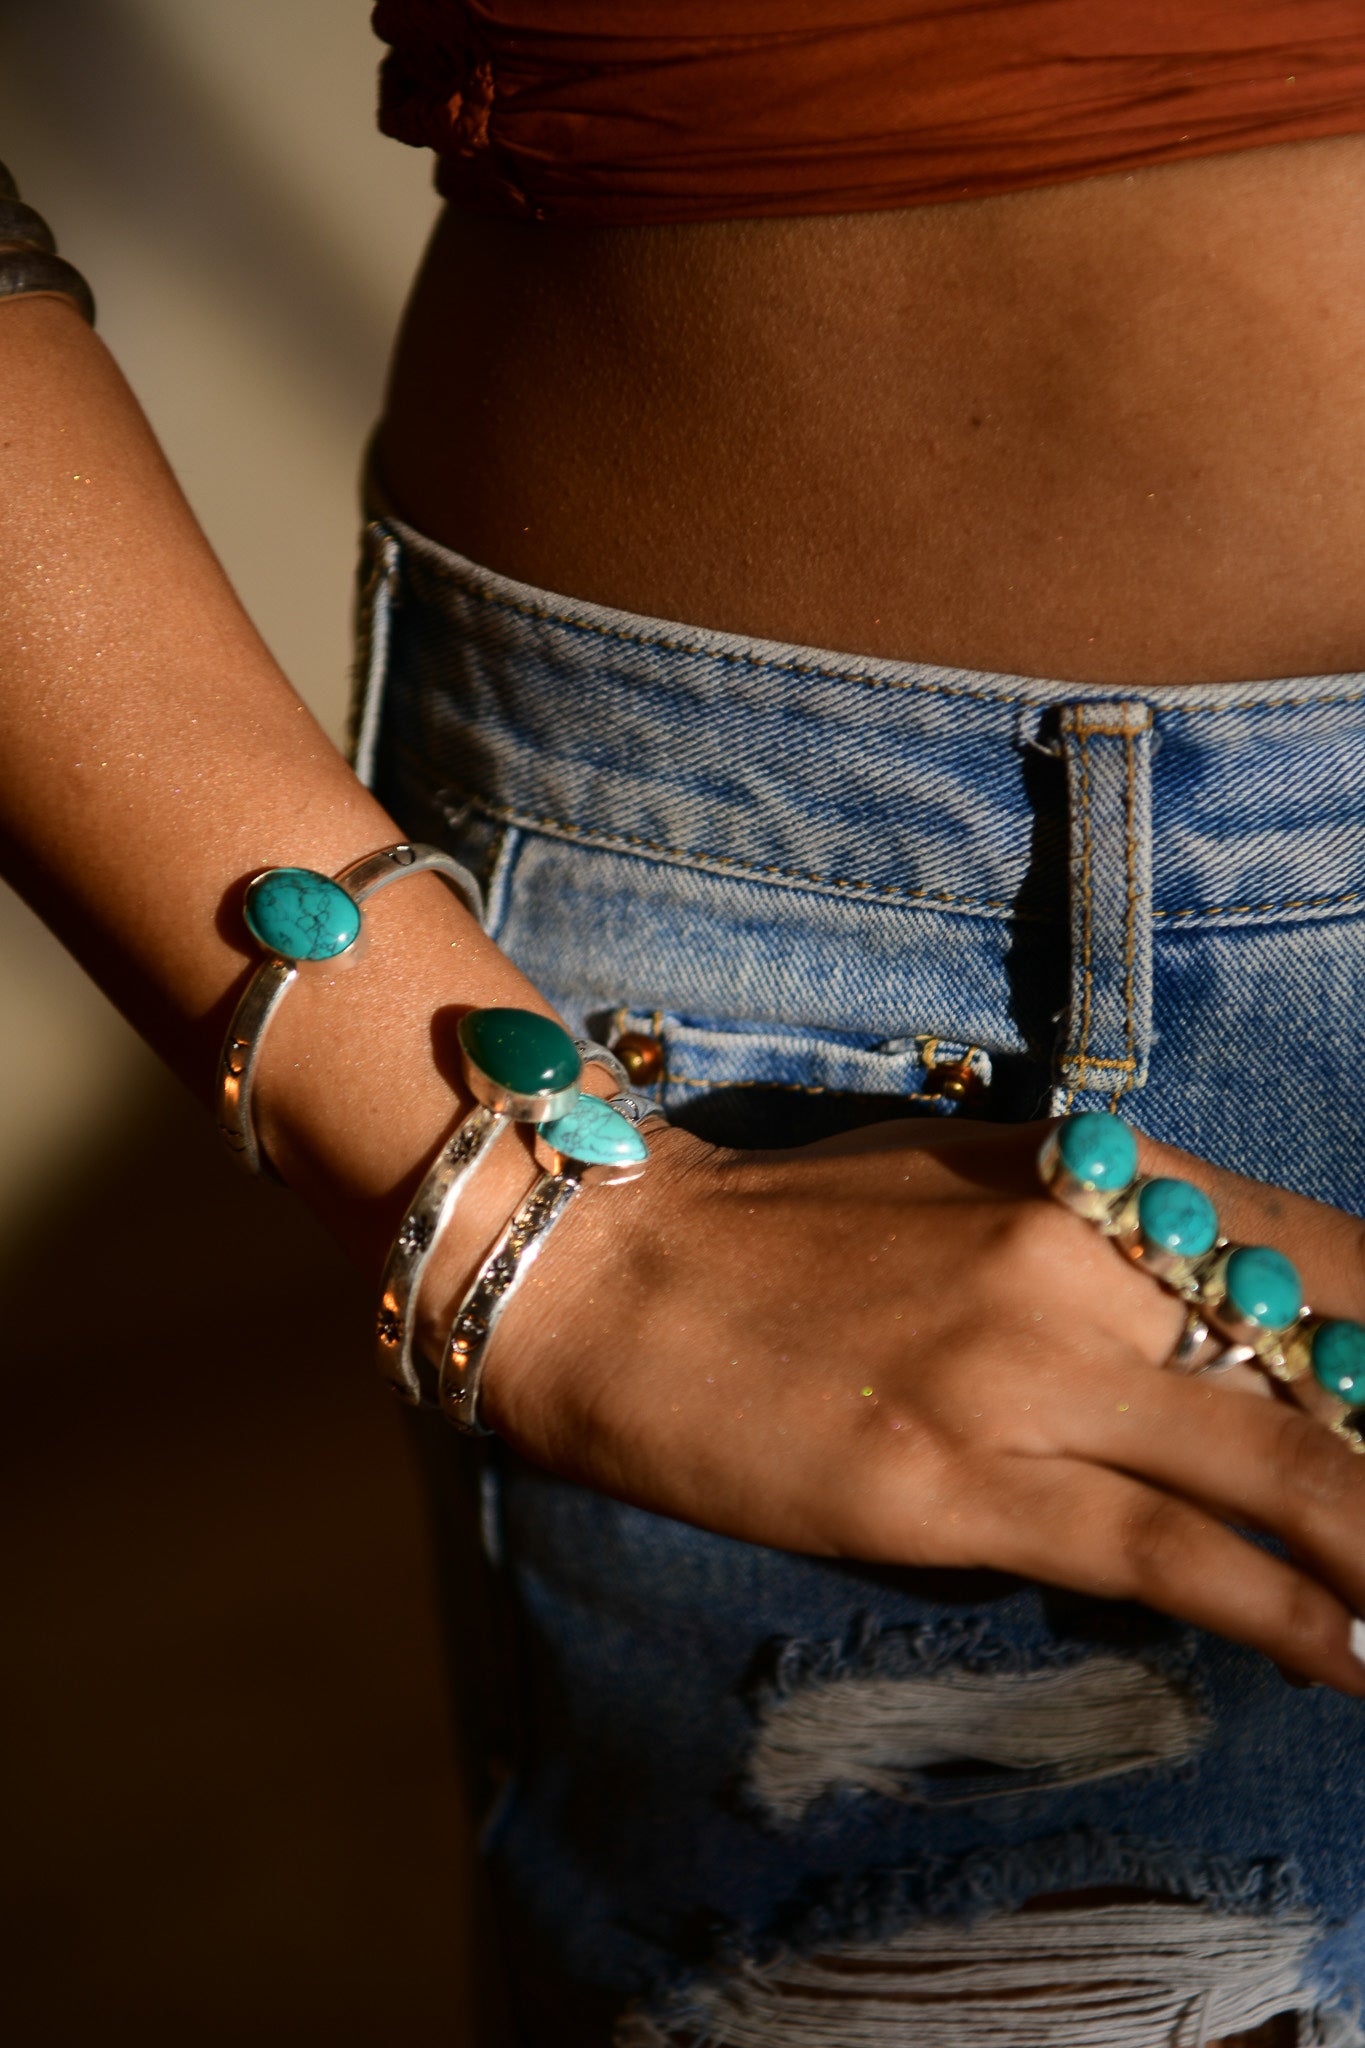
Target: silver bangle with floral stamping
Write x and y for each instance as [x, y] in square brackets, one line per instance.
[302, 918]
[595, 1144]
[520, 1067]
[461, 1381]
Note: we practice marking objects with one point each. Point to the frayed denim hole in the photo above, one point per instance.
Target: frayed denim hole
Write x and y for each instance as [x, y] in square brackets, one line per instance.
[875, 1906]
[916, 1718]
[1131, 1974]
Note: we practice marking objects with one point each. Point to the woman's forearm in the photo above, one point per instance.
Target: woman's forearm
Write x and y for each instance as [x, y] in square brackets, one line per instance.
[152, 755]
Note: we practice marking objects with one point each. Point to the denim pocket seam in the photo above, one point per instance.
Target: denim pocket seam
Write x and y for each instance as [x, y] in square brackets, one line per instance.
[672, 1078]
[727, 864]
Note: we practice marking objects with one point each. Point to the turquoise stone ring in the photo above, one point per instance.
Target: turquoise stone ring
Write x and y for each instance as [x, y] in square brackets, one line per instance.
[1088, 1163]
[1337, 1356]
[521, 1064]
[1168, 1227]
[1177, 1217]
[1244, 1302]
[1261, 1287]
[1098, 1150]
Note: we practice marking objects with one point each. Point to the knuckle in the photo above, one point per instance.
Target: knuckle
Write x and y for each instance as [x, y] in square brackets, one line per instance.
[1307, 1621]
[1314, 1468]
[1037, 1242]
[1156, 1547]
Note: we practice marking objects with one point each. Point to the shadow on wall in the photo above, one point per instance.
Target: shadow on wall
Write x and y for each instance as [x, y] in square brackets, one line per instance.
[232, 1814]
[127, 110]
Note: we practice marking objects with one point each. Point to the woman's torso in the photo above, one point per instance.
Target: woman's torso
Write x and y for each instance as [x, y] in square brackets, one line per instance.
[1110, 431]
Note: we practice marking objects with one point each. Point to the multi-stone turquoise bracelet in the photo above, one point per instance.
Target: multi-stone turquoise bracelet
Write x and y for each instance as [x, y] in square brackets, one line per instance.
[1244, 1303]
[520, 1067]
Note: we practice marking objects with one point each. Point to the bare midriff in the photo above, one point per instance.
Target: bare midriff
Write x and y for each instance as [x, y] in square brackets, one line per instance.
[1111, 431]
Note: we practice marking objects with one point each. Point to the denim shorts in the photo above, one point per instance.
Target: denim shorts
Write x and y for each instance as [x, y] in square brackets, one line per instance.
[826, 884]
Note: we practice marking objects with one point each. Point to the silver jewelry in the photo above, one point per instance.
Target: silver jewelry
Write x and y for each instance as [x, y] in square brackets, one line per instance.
[498, 1279]
[411, 1250]
[520, 1067]
[273, 979]
[604, 1160]
[29, 262]
[1244, 1303]
[1200, 1351]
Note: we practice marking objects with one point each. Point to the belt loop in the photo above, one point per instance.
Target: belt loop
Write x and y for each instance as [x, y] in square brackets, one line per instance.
[378, 578]
[1107, 748]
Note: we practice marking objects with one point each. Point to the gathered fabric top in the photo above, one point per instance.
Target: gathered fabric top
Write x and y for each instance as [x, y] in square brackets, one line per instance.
[629, 112]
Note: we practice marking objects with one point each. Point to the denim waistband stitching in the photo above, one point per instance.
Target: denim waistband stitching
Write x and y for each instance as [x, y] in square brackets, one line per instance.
[544, 615]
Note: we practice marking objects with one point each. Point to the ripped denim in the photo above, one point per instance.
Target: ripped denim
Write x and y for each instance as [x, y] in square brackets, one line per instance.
[734, 1796]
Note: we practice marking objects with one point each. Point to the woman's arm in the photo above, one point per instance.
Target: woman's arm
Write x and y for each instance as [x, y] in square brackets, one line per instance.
[152, 756]
[888, 1347]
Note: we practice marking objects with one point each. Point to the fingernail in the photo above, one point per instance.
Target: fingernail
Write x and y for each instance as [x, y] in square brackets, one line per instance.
[1357, 1641]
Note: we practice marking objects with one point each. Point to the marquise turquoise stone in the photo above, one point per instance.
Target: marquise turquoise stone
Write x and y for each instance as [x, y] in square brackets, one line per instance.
[520, 1051]
[301, 915]
[1338, 1358]
[1097, 1149]
[594, 1134]
[1175, 1216]
[1263, 1286]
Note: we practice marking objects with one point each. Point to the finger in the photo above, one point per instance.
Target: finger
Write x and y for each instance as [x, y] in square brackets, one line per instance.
[1258, 1462]
[1326, 1244]
[1104, 1533]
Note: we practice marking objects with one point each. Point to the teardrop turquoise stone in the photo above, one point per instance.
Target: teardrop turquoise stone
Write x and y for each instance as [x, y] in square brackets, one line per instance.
[1176, 1216]
[1339, 1360]
[1097, 1149]
[521, 1051]
[1263, 1286]
[301, 915]
[594, 1134]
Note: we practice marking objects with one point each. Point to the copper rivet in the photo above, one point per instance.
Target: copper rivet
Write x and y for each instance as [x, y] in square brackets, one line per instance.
[958, 1080]
[641, 1056]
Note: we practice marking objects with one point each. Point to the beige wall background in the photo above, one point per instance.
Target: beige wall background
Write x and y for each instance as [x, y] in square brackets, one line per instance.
[231, 1813]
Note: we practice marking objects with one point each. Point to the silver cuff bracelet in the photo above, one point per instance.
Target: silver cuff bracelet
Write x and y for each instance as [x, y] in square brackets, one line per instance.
[301, 917]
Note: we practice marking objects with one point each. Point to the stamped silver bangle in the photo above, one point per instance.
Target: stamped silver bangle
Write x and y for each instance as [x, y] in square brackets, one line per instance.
[302, 918]
[499, 1277]
[520, 1067]
[596, 1144]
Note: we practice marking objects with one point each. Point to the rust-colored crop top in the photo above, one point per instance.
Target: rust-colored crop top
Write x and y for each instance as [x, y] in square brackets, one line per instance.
[637, 111]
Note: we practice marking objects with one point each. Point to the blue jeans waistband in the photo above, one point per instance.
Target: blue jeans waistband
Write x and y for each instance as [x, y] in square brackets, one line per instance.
[735, 754]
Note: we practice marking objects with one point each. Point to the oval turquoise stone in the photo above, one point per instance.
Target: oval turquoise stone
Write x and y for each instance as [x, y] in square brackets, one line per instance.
[1098, 1149]
[1263, 1286]
[594, 1134]
[1338, 1358]
[302, 915]
[521, 1051]
[1176, 1216]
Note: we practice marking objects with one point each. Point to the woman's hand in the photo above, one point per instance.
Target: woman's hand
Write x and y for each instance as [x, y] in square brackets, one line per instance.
[892, 1346]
